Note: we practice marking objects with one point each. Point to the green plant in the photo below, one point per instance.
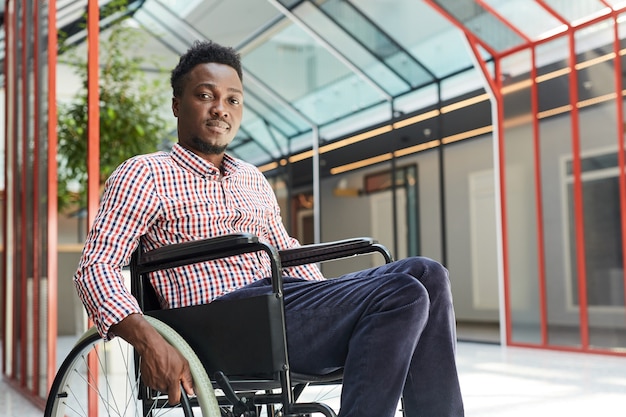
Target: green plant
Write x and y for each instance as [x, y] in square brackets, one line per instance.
[131, 106]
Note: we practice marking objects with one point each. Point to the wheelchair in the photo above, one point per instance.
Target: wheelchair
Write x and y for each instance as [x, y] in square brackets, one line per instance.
[237, 349]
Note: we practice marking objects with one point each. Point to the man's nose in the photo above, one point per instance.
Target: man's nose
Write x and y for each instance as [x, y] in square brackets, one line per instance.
[219, 109]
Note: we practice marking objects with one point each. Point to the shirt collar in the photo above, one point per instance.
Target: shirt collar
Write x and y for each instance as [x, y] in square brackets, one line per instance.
[200, 166]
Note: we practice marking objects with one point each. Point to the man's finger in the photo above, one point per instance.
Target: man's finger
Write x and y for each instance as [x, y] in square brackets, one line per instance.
[187, 383]
[173, 394]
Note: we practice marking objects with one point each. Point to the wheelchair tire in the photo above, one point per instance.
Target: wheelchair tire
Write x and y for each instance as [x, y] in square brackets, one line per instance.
[117, 390]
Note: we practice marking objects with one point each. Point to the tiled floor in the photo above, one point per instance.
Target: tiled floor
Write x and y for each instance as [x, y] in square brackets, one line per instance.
[501, 382]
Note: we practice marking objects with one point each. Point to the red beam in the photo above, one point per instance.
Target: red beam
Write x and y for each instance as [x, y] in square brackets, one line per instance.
[581, 263]
[13, 144]
[52, 315]
[541, 260]
[93, 153]
[93, 113]
[619, 101]
[8, 91]
[22, 278]
[36, 254]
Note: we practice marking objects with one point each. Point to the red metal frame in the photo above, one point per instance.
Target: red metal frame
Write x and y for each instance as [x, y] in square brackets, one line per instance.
[578, 201]
[36, 224]
[52, 214]
[619, 87]
[541, 258]
[18, 138]
[93, 154]
[93, 116]
[620, 140]
[7, 88]
[13, 149]
[23, 201]
[578, 197]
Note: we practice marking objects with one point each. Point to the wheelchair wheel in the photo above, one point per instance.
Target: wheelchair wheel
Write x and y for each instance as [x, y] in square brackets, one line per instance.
[100, 378]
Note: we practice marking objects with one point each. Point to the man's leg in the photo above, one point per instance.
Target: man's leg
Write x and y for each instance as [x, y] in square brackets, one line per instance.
[370, 323]
[432, 385]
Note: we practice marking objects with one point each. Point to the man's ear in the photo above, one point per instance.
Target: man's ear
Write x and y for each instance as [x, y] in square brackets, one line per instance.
[175, 103]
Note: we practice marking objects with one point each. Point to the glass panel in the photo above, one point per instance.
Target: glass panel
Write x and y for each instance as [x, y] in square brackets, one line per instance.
[261, 154]
[616, 4]
[555, 144]
[410, 181]
[305, 74]
[284, 122]
[177, 38]
[470, 225]
[272, 142]
[437, 45]
[463, 83]
[600, 196]
[575, 10]
[357, 121]
[482, 24]
[520, 203]
[251, 152]
[266, 104]
[527, 16]
[269, 120]
[302, 141]
[353, 49]
[417, 100]
[379, 43]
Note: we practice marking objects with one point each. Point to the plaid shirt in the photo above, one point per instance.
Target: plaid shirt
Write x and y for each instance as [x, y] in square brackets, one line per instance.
[166, 198]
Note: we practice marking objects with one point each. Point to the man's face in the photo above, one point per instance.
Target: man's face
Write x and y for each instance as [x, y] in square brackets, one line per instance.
[209, 109]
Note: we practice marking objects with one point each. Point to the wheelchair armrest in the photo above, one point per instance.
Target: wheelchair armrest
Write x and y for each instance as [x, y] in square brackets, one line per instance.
[321, 252]
[202, 250]
[195, 251]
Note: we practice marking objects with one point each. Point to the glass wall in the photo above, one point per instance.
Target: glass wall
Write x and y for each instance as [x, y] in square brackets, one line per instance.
[555, 141]
[519, 200]
[599, 178]
[563, 216]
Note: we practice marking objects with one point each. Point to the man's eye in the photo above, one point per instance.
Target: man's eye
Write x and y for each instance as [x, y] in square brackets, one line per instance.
[234, 101]
[205, 96]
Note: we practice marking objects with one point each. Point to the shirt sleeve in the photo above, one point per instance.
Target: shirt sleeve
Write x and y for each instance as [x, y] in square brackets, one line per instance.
[128, 206]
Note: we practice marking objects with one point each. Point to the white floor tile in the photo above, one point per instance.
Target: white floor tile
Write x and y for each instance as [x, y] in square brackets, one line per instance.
[497, 382]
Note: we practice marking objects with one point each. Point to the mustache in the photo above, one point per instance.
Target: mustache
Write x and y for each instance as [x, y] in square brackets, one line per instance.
[218, 122]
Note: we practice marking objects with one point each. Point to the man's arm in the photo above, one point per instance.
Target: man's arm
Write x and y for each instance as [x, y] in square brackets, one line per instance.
[127, 209]
[162, 367]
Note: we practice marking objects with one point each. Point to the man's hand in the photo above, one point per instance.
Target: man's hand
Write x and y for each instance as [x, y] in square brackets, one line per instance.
[163, 368]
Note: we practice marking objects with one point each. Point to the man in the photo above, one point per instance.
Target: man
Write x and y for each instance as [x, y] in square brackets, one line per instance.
[392, 328]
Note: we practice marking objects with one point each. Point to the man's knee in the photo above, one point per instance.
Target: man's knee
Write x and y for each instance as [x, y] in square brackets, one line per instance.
[433, 275]
[403, 290]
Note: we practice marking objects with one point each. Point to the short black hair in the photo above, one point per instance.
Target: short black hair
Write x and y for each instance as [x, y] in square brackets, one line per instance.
[202, 52]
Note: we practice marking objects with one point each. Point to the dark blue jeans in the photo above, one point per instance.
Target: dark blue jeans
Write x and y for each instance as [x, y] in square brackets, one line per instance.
[392, 328]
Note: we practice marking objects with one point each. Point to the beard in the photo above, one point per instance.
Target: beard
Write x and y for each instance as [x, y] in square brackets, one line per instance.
[208, 148]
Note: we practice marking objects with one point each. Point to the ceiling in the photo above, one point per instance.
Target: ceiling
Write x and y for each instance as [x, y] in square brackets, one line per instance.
[336, 67]
[324, 64]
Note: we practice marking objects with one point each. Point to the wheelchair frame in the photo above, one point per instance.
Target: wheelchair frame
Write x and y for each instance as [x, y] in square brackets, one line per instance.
[246, 386]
